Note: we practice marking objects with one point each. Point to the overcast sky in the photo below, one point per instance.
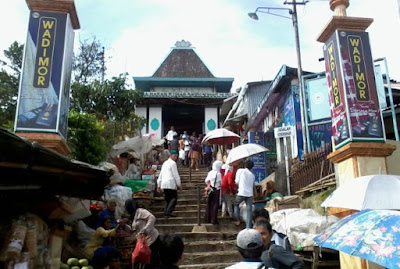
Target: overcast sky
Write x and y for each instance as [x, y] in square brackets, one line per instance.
[139, 34]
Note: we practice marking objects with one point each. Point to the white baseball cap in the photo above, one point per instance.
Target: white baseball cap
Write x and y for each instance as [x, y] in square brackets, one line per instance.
[249, 239]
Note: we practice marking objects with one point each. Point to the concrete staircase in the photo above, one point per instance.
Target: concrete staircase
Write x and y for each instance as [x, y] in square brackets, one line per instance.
[215, 248]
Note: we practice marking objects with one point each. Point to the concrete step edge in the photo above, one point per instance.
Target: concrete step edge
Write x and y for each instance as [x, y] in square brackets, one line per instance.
[207, 265]
[202, 242]
[213, 253]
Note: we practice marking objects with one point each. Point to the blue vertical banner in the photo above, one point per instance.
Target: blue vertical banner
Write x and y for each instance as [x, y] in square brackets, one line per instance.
[259, 169]
[43, 99]
[297, 114]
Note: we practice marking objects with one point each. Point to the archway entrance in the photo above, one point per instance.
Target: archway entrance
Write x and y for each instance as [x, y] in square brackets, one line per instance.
[183, 118]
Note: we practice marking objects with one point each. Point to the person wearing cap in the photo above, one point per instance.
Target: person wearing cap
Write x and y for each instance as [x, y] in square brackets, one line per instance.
[250, 245]
[169, 182]
[275, 256]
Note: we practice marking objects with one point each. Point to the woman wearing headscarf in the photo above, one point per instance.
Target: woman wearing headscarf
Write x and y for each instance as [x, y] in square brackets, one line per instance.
[101, 239]
[214, 180]
[108, 212]
[143, 223]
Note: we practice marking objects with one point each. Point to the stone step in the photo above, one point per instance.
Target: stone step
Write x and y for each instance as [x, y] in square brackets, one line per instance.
[180, 202]
[207, 246]
[186, 213]
[188, 227]
[191, 220]
[214, 248]
[187, 195]
[178, 207]
[183, 228]
[220, 265]
[230, 256]
[209, 236]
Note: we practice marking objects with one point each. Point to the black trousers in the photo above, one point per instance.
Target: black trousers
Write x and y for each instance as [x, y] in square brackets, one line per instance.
[212, 207]
[155, 254]
[171, 197]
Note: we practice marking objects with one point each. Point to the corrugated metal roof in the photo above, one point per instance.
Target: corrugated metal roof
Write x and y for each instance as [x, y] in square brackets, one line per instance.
[28, 166]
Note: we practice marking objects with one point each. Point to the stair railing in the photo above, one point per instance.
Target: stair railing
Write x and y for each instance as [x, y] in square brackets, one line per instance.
[198, 206]
[190, 170]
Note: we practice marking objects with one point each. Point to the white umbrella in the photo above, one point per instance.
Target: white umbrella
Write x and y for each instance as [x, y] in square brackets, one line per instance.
[220, 136]
[367, 192]
[244, 151]
[139, 144]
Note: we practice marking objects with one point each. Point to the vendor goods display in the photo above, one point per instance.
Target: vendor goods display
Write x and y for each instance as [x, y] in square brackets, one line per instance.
[75, 263]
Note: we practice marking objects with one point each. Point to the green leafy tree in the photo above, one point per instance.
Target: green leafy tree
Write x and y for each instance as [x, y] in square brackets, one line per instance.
[111, 100]
[9, 81]
[89, 63]
[86, 138]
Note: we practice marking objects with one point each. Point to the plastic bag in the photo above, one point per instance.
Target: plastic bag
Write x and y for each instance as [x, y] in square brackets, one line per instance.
[142, 252]
[208, 190]
[80, 209]
[181, 154]
[120, 194]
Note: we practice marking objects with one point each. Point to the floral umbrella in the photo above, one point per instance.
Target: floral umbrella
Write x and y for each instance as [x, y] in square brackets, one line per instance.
[373, 235]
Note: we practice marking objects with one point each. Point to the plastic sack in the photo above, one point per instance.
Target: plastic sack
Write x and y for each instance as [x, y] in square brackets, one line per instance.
[84, 233]
[80, 208]
[142, 252]
[120, 194]
[182, 154]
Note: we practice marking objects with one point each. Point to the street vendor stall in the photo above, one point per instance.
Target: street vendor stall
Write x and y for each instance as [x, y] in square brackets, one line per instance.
[39, 190]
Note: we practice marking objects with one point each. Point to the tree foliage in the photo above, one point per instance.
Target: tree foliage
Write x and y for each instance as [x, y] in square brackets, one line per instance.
[9, 82]
[89, 63]
[86, 138]
[111, 100]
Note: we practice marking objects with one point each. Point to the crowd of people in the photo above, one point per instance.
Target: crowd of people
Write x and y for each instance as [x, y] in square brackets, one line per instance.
[102, 249]
[190, 149]
[229, 188]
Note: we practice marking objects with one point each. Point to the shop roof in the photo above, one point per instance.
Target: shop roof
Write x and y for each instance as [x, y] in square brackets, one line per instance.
[27, 167]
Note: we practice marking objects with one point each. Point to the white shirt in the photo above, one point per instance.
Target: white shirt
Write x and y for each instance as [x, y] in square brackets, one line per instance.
[187, 145]
[245, 265]
[170, 135]
[245, 181]
[169, 177]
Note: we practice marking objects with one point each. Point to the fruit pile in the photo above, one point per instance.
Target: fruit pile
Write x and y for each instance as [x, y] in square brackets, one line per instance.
[74, 263]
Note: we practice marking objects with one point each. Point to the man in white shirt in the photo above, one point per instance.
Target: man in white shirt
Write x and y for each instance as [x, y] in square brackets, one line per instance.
[170, 135]
[245, 181]
[169, 182]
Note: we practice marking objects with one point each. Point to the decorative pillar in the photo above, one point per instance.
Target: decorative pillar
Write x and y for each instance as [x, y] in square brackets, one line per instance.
[210, 119]
[357, 125]
[155, 120]
[43, 99]
[339, 7]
